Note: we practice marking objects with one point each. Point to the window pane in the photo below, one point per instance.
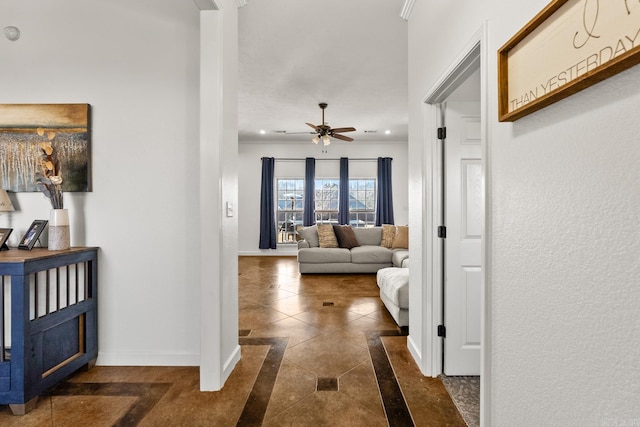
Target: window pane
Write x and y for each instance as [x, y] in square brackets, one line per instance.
[327, 191]
[289, 208]
[362, 202]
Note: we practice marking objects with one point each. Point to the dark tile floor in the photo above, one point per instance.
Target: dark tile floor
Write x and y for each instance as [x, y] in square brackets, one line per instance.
[317, 350]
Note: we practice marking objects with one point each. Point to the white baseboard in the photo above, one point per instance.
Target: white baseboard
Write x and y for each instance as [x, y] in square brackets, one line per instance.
[231, 363]
[275, 252]
[416, 353]
[147, 359]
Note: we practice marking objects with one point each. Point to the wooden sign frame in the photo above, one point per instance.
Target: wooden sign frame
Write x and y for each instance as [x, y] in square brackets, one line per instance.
[567, 47]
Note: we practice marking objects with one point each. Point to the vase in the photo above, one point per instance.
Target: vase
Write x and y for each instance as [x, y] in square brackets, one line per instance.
[59, 237]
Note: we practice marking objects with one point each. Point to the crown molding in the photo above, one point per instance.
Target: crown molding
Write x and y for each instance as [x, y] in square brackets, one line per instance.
[407, 7]
[242, 3]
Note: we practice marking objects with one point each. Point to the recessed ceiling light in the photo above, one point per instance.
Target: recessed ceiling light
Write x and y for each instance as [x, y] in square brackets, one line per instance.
[387, 132]
[262, 131]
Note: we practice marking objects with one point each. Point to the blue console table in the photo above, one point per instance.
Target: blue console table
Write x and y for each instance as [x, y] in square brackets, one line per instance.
[50, 300]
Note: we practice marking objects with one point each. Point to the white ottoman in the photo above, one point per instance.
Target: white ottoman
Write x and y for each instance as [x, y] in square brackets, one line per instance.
[394, 292]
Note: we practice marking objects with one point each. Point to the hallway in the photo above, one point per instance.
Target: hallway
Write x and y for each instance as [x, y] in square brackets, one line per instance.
[317, 350]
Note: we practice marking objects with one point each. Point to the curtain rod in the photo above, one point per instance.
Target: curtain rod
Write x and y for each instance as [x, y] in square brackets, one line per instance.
[291, 159]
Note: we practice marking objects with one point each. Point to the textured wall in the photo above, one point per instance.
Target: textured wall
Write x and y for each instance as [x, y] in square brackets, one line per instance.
[565, 308]
[563, 204]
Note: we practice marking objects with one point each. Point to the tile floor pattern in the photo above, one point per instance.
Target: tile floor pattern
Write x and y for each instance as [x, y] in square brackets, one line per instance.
[317, 350]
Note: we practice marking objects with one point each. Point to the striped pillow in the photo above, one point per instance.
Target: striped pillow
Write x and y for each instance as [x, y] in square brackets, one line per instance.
[388, 233]
[326, 236]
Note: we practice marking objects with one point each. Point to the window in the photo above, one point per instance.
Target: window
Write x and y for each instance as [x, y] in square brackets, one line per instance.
[290, 204]
[362, 202]
[327, 192]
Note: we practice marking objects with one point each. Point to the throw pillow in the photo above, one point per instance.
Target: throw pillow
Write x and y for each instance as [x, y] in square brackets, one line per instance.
[388, 233]
[401, 239]
[326, 236]
[310, 234]
[345, 236]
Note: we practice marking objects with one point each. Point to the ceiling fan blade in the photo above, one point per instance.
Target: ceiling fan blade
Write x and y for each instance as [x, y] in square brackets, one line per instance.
[313, 126]
[342, 137]
[341, 130]
[299, 133]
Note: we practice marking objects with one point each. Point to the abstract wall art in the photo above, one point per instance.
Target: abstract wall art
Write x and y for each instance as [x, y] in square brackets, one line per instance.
[24, 126]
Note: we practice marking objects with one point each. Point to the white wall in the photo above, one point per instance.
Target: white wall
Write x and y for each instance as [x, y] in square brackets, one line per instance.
[563, 200]
[249, 176]
[136, 63]
[220, 349]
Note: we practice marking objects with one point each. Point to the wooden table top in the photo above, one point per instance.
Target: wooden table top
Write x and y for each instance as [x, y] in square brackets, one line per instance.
[14, 255]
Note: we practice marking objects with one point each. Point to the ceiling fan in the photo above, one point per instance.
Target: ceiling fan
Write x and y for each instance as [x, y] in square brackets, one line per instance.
[324, 132]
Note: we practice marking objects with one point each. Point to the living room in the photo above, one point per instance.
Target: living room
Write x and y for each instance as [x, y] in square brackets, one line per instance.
[292, 166]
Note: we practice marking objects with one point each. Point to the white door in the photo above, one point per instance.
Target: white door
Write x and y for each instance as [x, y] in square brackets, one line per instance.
[463, 215]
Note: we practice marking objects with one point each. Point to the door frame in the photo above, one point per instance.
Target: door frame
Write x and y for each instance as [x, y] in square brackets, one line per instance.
[474, 55]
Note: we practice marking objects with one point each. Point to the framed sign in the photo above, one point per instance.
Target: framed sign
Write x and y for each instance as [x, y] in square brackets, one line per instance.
[569, 46]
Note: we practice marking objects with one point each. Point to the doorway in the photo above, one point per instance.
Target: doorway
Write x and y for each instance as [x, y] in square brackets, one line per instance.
[464, 82]
[461, 279]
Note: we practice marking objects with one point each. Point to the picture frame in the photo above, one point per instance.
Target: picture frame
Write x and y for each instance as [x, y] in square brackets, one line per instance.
[4, 236]
[23, 127]
[567, 47]
[33, 233]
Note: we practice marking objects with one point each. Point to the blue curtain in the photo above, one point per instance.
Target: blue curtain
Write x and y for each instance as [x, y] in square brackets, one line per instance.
[309, 212]
[268, 233]
[343, 204]
[384, 202]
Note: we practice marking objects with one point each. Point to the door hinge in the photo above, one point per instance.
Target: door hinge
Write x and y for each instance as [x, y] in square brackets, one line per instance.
[442, 331]
[442, 133]
[442, 232]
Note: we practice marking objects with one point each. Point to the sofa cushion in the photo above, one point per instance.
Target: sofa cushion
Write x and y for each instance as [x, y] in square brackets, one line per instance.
[398, 257]
[324, 255]
[326, 236]
[368, 235]
[345, 236]
[394, 283]
[310, 234]
[388, 233]
[371, 254]
[401, 240]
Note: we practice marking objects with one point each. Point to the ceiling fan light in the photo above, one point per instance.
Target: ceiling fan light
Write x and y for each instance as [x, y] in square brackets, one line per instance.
[326, 140]
[315, 140]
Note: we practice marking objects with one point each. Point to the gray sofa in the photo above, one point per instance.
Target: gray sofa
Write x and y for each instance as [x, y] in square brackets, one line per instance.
[369, 257]
[394, 292]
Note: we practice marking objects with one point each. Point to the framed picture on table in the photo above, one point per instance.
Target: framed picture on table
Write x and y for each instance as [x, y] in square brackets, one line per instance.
[4, 235]
[33, 233]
